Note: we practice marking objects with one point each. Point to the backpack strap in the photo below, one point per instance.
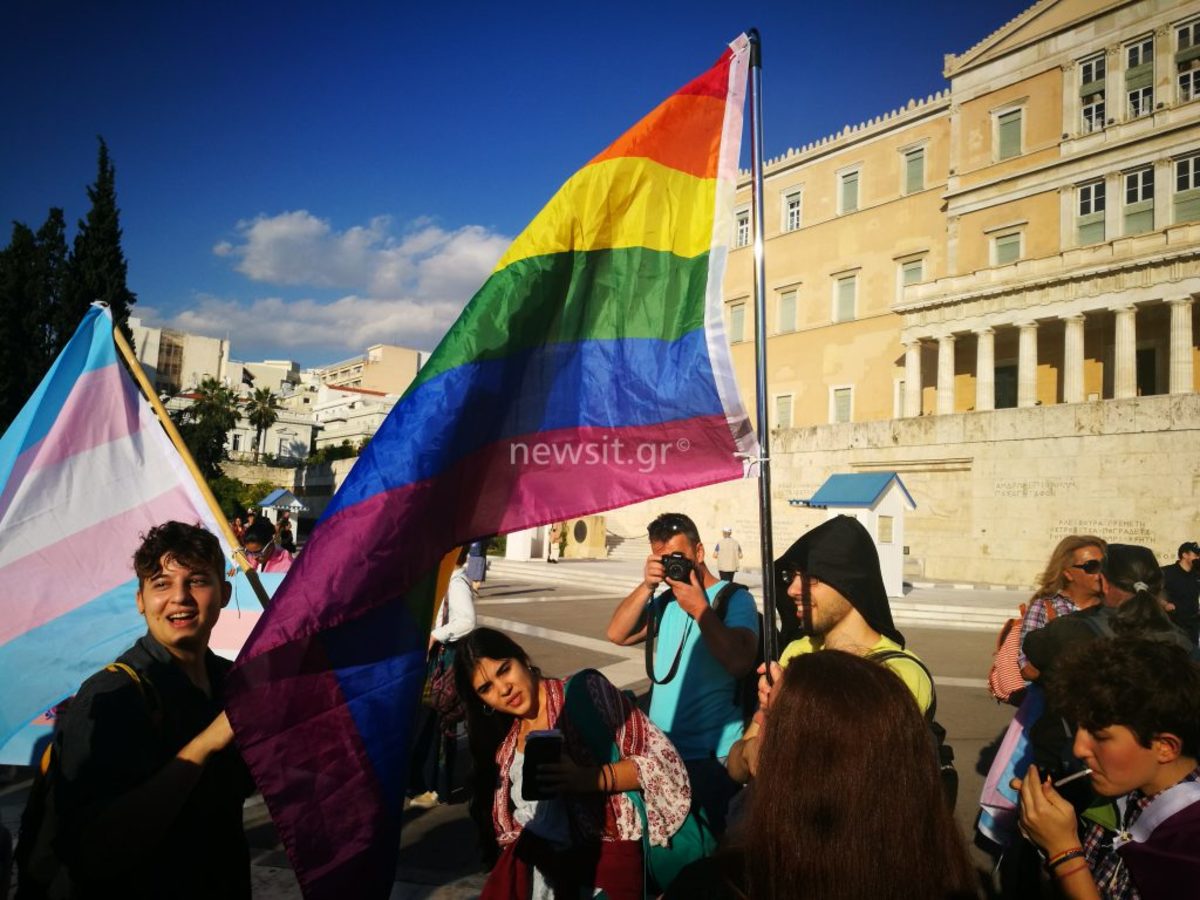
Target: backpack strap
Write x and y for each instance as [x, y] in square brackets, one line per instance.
[145, 687]
[882, 656]
[724, 595]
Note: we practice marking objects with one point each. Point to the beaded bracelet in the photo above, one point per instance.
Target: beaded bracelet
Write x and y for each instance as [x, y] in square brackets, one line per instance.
[1067, 855]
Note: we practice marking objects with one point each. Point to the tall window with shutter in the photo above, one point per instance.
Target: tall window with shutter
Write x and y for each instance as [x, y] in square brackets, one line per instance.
[1139, 201]
[737, 322]
[912, 272]
[841, 401]
[1139, 77]
[791, 210]
[1090, 223]
[845, 298]
[847, 192]
[1187, 60]
[783, 411]
[914, 171]
[787, 312]
[1187, 189]
[741, 234]
[1006, 248]
[1091, 93]
[1008, 134]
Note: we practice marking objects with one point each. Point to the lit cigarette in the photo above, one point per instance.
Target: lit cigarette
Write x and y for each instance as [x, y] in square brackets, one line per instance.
[1075, 777]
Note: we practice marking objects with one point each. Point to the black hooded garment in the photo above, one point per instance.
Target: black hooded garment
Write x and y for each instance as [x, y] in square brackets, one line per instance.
[840, 553]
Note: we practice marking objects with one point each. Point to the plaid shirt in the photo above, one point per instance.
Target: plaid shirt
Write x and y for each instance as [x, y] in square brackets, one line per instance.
[1035, 617]
[1108, 869]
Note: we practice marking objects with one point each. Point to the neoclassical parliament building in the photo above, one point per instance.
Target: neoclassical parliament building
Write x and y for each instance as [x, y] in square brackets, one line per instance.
[990, 291]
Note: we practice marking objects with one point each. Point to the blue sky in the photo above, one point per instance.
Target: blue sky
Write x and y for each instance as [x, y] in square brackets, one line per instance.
[308, 179]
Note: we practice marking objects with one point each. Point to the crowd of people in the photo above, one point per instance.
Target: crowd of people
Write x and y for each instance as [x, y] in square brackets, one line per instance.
[822, 775]
[268, 546]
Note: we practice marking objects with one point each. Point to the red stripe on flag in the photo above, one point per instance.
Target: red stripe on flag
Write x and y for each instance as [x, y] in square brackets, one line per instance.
[366, 555]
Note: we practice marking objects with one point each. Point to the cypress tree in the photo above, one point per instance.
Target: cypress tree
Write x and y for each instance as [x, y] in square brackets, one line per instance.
[32, 277]
[16, 268]
[46, 296]
[97, 268]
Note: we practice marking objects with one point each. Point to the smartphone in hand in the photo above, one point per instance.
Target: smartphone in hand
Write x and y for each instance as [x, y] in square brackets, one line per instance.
[540, 747]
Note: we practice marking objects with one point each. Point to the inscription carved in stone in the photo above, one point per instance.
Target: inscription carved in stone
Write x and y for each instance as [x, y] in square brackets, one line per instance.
[1126, 531]
[1034, 487]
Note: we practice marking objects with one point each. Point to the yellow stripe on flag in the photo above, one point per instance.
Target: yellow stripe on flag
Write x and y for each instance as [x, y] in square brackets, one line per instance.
[618, 203]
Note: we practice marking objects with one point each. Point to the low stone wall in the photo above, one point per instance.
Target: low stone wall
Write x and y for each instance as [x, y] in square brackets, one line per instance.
[994, 490]
[251, 473]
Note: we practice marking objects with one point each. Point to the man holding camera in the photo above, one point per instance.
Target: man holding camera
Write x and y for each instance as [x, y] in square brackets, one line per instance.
[699, 658]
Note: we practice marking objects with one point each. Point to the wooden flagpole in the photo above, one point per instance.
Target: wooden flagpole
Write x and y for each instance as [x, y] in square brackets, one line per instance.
[168, 425]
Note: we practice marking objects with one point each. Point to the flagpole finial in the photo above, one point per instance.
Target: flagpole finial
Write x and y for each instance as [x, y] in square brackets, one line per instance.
[755, 48]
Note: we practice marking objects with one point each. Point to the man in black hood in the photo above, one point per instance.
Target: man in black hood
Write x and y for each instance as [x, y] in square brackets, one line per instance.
[831, 597]
[841, 556]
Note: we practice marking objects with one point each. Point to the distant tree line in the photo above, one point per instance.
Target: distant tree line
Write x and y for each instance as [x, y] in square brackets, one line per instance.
[46, 287]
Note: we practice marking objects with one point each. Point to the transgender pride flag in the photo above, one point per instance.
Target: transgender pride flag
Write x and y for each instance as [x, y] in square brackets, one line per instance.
[590, 371]
[85, 468]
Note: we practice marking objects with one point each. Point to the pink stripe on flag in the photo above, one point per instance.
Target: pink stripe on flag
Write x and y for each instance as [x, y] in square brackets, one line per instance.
[102, 407]
[231, 631]
[359, 559]
[65, 575]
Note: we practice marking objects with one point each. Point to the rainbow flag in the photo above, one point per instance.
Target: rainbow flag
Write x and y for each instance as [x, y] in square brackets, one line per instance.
[590, 371]
[85, 469]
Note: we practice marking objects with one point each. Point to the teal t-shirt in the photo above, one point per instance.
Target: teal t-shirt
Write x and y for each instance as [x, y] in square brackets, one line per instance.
[697, 707]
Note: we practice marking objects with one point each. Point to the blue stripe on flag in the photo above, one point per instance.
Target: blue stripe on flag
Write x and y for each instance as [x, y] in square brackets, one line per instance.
[44, 665]
[560, 386]
[379, 658]
[90, 348]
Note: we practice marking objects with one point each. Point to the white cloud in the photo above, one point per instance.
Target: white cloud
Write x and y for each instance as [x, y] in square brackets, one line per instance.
[308, 328]
[402, 288]
[423, 261]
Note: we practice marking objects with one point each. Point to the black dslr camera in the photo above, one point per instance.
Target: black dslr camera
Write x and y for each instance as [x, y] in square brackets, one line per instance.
[677, 567]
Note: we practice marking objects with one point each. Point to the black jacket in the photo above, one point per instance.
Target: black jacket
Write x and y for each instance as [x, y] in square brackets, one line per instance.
[113, 736]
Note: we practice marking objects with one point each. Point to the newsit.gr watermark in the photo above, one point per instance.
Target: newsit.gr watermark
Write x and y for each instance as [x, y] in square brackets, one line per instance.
[644, 456]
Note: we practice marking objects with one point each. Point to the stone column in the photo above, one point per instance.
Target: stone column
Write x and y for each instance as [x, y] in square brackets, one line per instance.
[1125, 368]
[1073, 359]
[945, 375]
[1027, 365]
[1181, 346]
[912, 378]
[1164, 187]
[985, 369]
[1070, 106]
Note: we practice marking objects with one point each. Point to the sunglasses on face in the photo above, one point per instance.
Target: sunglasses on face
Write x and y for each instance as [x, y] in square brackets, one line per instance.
[789, 575]
[1092, 566]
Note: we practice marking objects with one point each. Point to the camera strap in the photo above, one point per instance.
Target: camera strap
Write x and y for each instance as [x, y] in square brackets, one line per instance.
[652, 623]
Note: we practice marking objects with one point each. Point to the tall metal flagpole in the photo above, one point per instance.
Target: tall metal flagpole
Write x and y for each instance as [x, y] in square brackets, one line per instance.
[239, 555]
[770, 650]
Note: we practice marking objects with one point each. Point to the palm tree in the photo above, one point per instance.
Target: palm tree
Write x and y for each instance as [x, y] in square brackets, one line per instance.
[205, 424]
[214, 403]
[261, 411]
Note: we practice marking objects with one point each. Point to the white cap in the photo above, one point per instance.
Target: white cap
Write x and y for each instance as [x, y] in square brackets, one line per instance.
[728, 529]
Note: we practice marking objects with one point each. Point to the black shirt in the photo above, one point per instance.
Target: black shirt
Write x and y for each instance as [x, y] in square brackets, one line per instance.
[1183, 589]
[115, 735]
